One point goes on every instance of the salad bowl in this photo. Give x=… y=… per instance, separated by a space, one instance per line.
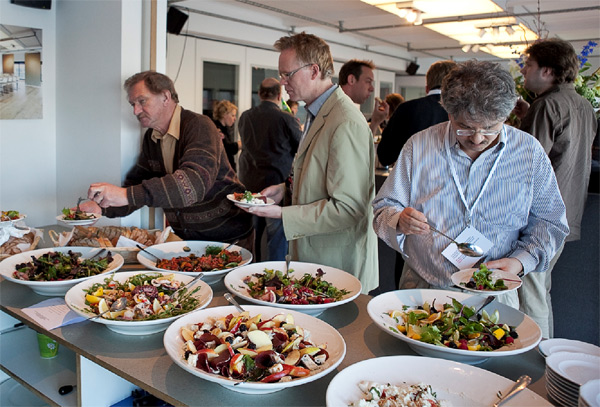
x=321 y=333
x=54 y=288
x=171 y=250
x=234 y=282
x=455 y=383
x=379 y=309
x=75 y=299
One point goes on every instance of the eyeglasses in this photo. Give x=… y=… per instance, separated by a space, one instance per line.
x=288 y=75
x=485 y=133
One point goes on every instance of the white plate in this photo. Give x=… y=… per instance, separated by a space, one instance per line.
x=75 y=299
x=463 y=276
x=234 y=281
x=175 y=249
x=5 y=223
x=54 y=288
x=590 y=393
x=321 y=333
x=81 y=222
x=247 y=204
x=380 y=306
x=578 y=368
x=457 y=383
x=550 y=346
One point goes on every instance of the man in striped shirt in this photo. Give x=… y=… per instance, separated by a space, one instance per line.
x=472 y=177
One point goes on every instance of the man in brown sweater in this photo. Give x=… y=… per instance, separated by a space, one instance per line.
x=182 y=168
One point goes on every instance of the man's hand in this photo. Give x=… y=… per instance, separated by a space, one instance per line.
x=508 y=264
x=412 y=222
x=267 y=211
x=107 y=195
x=521 y=108
x=90 y=207
x=275 y=192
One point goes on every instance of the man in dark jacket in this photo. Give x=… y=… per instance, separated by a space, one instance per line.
x=415 y=115
x=270 y=138
x=182 y=168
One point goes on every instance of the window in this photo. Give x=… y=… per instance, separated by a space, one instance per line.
x=220 y=82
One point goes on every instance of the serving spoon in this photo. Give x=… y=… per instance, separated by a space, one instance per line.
x=233 y=302
x=116 y=306
x=521 y=383
x=468 y=249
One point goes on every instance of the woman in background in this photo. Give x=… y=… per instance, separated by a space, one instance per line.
x=224 y=115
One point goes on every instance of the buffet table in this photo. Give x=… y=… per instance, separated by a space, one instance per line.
x=106 y=366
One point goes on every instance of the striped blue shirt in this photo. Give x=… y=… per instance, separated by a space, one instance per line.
x=520 y=211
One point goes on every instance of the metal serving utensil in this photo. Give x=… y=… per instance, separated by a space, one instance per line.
x=520 y=385
x=468 y=249
x=233 y=302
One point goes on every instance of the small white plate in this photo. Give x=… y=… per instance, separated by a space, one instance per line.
x=81 y=222
x=247 y=204
x=321 y=333
x=234 y=282
x=550 y=346
x=456 y=383
x=511 y=280
x=54 y=288
x=578 y=368
x=590 y=393
x=170 y=250
x=6 y=223
x=380 y=306
x=75 y=299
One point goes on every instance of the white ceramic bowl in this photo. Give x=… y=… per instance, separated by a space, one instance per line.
x=7 y=223
x=380 y=306
x=75 y=299
x=321 y=333
x=459 y=384
x=175 y=249
x=54 y=288
x=234 y=281
x=80 y=222
x=511 y=280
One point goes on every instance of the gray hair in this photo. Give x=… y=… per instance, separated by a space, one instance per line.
x=480 y=91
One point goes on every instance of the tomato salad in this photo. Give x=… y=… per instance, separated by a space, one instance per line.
x=214 y=259
x=252 y=349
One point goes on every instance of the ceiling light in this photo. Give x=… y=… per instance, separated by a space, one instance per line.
x=496 y=31
x=482 y=32
x=412 y=16
x=475 y=48
x=419 y=19
x=466 y=48
x=510 y=30
x=403 y=12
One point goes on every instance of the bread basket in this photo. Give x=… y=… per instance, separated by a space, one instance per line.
x=109 y=236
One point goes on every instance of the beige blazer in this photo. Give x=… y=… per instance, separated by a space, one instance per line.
x=330 y=218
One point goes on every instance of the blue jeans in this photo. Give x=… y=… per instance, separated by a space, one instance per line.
x=277 y=245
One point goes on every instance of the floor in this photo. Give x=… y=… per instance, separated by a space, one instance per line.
x=22 y=102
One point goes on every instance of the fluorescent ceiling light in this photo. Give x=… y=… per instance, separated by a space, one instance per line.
x=482 y=33
x=475 y=48
x=439 y=8
x=509 y=30
x=466 y=48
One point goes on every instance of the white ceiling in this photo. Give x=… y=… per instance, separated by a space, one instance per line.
x=364 y=26
x=18 y=39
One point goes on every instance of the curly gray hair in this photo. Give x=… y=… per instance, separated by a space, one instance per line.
x=479 y=91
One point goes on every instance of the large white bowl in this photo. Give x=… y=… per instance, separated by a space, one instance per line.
x=379 y=307
x=75 y=299
x=54 y=288
x=321 y=333
x=175 y=249
x=234 y=281
x=456 y=383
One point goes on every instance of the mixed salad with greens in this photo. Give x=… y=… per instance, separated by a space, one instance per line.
x=280 y=287
x=149 y=296
x=482 y=280
x=57 y=266
x=454 y=326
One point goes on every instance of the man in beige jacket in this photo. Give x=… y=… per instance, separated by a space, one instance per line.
x=326 y=212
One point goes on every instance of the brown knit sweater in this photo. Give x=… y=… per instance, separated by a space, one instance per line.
x=194 y=196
